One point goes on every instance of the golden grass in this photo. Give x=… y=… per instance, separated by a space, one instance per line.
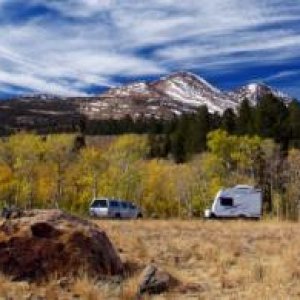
x=212 y=260
x=216 y=260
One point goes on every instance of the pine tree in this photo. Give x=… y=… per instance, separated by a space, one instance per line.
x=245 y=118
x=201 y=128
x=294 y=123
x=179 y=141
x=272 y=119
x=228 y=122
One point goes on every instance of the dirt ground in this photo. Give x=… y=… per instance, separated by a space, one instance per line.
x=211 y=259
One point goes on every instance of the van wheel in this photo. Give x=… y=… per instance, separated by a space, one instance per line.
x=118 y=216
x=139 y=216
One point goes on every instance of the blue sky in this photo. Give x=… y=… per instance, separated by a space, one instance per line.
x=79 y=47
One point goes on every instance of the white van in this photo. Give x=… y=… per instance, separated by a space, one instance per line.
x=241 y=201
x=113 y=208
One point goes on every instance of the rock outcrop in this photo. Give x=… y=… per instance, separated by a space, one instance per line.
x=41 y=243
x=155 y=281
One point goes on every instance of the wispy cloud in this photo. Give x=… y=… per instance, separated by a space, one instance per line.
x=282 y=74
x=66 y=46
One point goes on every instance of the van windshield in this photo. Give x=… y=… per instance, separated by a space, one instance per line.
x=99 y=203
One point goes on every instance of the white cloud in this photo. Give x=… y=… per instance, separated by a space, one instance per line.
x=282 y=75
x=77 y=8
x=37 y=84
x=90 y=42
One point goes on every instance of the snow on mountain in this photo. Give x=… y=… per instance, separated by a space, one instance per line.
x=193 y=91
x=181 y=92
x=139 y=88
x=173 y=95
x=255 y=91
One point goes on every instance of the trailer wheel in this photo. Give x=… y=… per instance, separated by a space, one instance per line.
x=212 y=216
x=243 y=217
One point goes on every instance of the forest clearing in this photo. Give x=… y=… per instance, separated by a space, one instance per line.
x=210 y=259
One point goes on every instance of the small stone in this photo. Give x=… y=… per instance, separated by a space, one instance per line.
x=63 y=282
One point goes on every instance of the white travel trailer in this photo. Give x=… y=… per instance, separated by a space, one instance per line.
x=241 y=201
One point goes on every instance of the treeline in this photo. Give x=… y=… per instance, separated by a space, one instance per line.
x=67 y=171
x=271 y=118
x=186 y=135
x=125 y=125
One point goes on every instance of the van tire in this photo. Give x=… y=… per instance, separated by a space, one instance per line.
x=139 y=216
x=118 y=216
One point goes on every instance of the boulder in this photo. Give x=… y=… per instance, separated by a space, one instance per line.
x=155 y=281
x=41 y=243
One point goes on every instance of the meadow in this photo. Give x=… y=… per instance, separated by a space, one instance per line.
x=211 y=260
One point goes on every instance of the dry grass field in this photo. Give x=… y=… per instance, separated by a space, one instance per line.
x=212 y=260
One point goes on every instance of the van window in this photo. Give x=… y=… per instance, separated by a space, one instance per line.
x=99 y=203
x=124 y=204
x=132 y=206
x=114 y=203
x=226 y=201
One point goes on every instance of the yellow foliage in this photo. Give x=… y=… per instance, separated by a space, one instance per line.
x=47 y=171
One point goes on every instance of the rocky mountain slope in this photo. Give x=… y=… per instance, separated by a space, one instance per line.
x=165 y=98
x=255 y=91
x=172 y=95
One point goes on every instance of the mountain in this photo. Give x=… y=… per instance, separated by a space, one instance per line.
x=193 y=91
x=179 y=93
x=176 y=94
x=256 y=91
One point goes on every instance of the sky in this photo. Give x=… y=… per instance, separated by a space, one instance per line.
x=82 y=47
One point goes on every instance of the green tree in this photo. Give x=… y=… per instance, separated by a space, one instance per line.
x=294 y=123
x=245 y=118
x=271 y=119
x=228 y=122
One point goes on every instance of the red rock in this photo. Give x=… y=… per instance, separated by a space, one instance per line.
x=45 y=242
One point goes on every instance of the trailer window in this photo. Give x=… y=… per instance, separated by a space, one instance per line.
x=226 y=201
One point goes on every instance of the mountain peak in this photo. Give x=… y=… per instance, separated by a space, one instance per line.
x=190 y=78
x=256 y=91
x=253 y=87
x=180 y=74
